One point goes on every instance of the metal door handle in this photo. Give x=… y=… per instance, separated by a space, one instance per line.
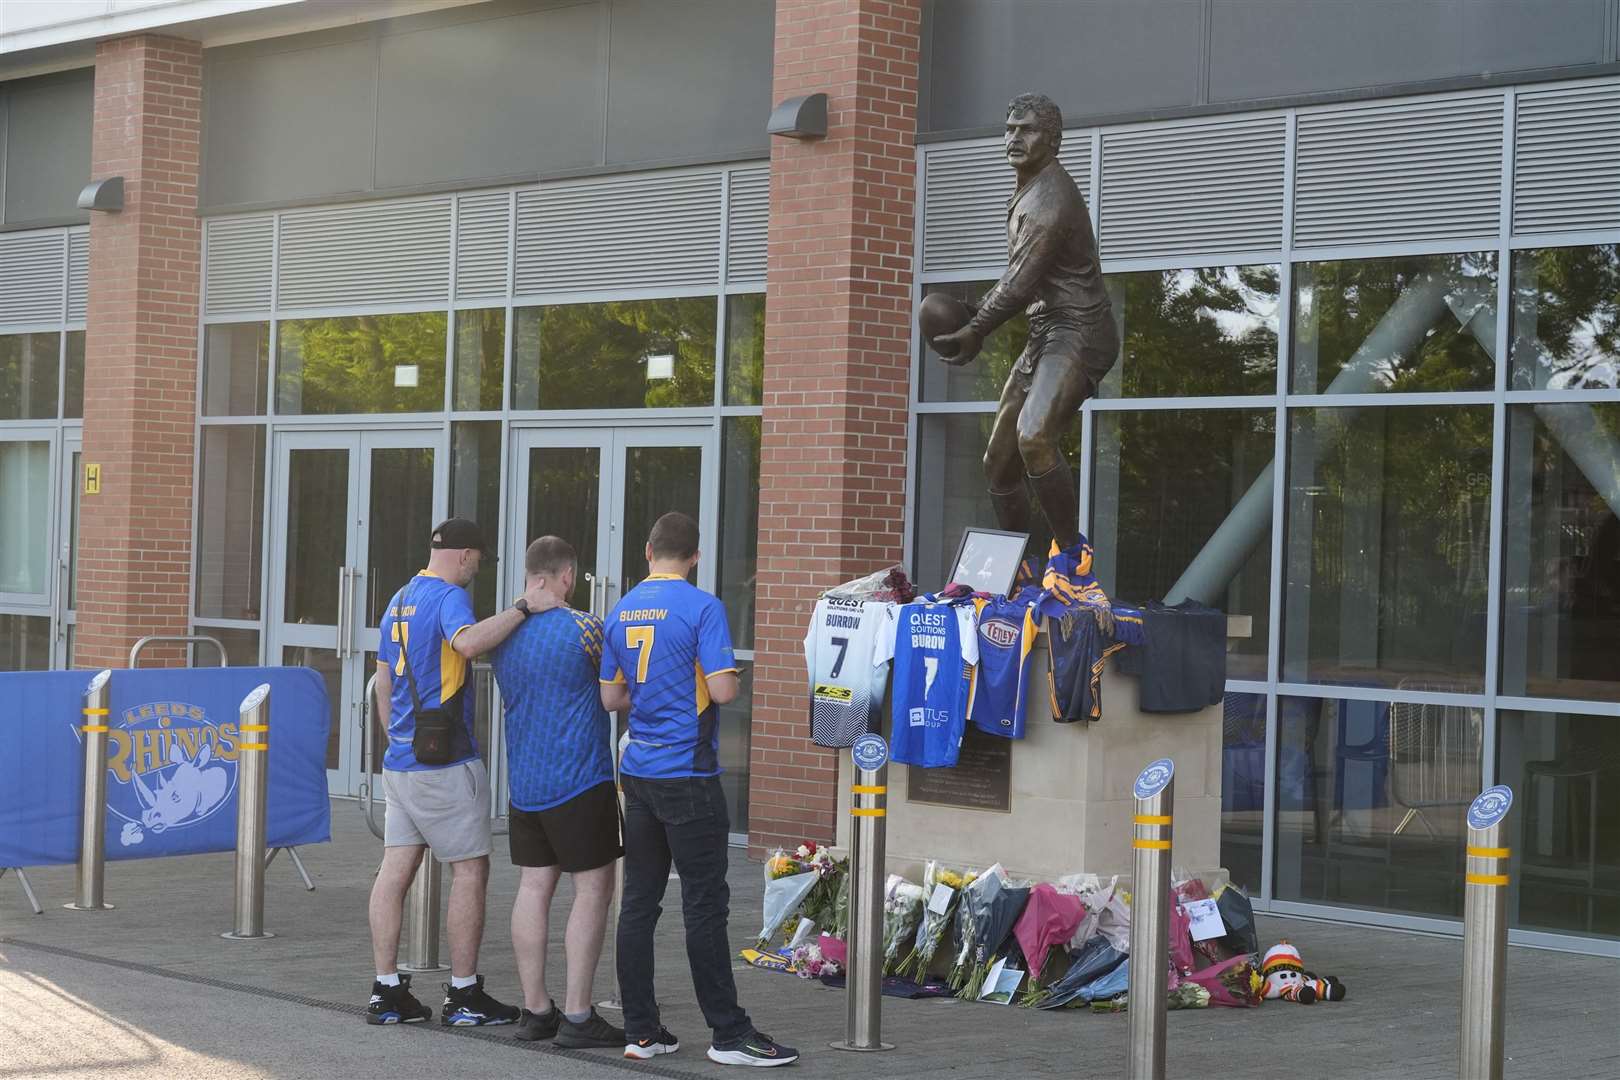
x=343 y=613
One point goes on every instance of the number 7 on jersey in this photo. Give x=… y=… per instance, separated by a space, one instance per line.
x=640 y=638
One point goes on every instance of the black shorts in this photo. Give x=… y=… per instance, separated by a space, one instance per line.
x=580 y=834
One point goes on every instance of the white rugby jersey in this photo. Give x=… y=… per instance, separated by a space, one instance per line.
x=847 y=677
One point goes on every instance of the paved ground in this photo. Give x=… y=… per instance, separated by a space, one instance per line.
x=150 y=990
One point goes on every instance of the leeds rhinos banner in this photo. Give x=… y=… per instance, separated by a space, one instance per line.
x=172 y=760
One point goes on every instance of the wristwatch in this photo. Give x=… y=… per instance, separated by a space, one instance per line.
x=521 y=605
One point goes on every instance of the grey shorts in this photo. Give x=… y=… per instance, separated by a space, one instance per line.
x=446 y=809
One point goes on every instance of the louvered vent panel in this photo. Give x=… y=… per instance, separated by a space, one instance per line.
x=483 y=228
x=239 y=256
x=748 y=209
x=965 y=193
x=390 y=253
x=31 y=268
x=1193 y=189
x=1420 y=171
x=78 y=275
x=637 y=232
x=1566 y=160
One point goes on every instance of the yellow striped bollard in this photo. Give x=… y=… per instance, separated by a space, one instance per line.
x=93 y=817
x=868 y=808
x=252 y=780
x=1155 y=791
x=1484 y=935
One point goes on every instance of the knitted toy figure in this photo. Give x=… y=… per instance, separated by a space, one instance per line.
x=1285 y=975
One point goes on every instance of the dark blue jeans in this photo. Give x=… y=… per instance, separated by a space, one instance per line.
x=684 y=821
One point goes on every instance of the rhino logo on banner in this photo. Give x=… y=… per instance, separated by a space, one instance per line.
x=170 y=767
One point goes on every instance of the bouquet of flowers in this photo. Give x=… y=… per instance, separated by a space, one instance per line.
x=902 y=912
x=832 y=877
x=810 y=963
x=1049 y=920
x=942 y=887
x=787 y=882
x=985 y=916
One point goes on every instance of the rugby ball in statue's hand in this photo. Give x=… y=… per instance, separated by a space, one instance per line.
x=940 y=313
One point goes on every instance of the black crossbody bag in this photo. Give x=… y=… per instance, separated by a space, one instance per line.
x=432 y=741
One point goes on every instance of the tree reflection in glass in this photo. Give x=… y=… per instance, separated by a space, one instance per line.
x=625 y=354
x=361 y=364
x=1566 y=318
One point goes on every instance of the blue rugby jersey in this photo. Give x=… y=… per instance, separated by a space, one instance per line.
x=664 y=638
x=422 y=620
x=557 y=732
x=1007 y=630
x=936 y=655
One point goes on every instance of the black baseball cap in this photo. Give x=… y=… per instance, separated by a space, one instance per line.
x=457 y=533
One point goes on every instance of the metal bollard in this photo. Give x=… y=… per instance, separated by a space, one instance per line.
x=612 y=1001
x=1484 y=936
x=93 y=817
x=252 y=781
x=1155 y=792
x=423 y=916
x=868 y=807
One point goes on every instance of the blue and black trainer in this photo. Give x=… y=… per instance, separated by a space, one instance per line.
x=755 y=1048
x=396 y=1004
x=471 y=1007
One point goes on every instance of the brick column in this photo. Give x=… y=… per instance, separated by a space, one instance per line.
x=837 y=345
x=140 y=385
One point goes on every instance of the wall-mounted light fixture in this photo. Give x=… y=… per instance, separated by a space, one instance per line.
x=800 y=117
x=106 y=195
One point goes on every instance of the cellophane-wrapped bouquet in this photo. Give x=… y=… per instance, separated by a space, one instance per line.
x=937 y=915
x=787 y=882
x=821 y=904
x=902 y=912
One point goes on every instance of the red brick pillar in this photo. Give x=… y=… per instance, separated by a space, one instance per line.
x=837 y=349
x=140 y=384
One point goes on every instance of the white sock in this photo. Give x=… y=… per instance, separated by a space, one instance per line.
x=462 y=984
x=390 y=979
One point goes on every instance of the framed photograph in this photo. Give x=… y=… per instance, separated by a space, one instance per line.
x=987 y=560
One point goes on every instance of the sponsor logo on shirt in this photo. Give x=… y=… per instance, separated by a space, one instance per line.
x=834 y=693
x=999 y=632
x=919 y=717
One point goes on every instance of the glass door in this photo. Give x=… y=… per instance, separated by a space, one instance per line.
x=67 y=547
x=358 y=508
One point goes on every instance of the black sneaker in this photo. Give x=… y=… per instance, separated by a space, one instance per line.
x=756 y=1048
x=594 y=1032
x=471 y=1007
x=532 y=1027
x=642 y=1049
x=396 y=1004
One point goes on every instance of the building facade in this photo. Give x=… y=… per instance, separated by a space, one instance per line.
x=539 y=264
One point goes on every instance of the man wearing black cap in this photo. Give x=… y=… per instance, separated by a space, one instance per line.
x=434 y=780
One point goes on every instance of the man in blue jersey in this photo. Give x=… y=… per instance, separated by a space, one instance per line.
x=565 y=812
x=667 y=659
x=428 y=638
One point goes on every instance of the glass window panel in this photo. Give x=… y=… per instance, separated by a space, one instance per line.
x=25 y=643
x=1566 y=318
x=25 y=517
x=475 y=492
x=626 y=354
x=951 y=490
x=1404 y=324
x=657 y=480
x=1188 y=333
x=399 y=522
x=738 y=547
x=983 y=378
x=1564 y=770
x=29 y=365
x=361 y=364
x=745 y=348
x=1371 y=802
x=236 y=368
x=736 y=720
x=241 y=647
x=565 y=499
x=1561 y=564
x=1166 y=481
x=230 y=522
x=317 y=534
x=480 y=359
x=73 y=383
x=1243 y=787
x=1388 y=544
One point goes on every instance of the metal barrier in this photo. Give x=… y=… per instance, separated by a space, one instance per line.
x=1484 y=936
x=868 y=807
x=93 y=817
x=136 y=649
x=422 y=915
x=252 y=783
x=367 y=798
x=1155 y=791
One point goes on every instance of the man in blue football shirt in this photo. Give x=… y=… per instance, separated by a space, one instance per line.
x=565 y=812
x=667 y=659
x=428 y=638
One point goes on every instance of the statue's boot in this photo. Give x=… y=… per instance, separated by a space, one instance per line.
x=1059 y=500
x=1011 y=508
